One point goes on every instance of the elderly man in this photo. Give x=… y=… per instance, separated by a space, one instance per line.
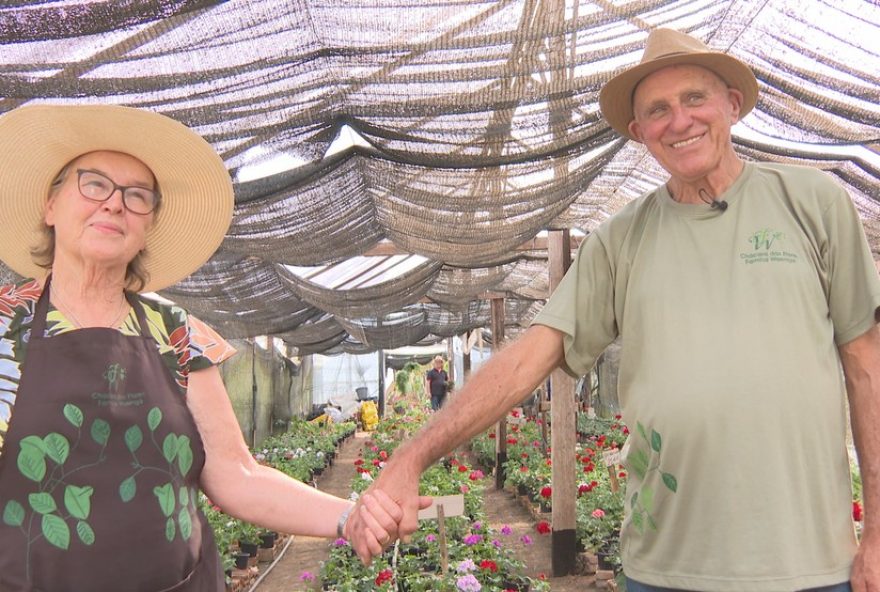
x=739 y=290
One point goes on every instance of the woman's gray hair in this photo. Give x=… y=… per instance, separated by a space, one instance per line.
x=43 y=253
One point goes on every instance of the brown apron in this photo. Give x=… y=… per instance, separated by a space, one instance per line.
x=99 y=475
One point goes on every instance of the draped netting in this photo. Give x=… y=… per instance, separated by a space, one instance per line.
x=390 y=159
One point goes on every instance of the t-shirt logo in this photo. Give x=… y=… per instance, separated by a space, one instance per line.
x=764 y=239
x=768 y=246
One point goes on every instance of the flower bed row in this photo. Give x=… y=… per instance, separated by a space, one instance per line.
x=479 y=558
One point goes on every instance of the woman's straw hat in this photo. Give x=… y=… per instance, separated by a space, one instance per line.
x=667 y=47
x=197 y=198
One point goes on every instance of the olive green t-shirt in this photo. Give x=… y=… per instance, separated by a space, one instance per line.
x=729 y=380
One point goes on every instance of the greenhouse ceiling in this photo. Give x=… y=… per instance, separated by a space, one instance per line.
x=393 y=159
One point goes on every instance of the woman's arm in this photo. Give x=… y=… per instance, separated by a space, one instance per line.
x=243 y=488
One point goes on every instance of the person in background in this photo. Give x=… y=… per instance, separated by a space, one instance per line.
x=113 y=414
x=746 y=297
x=436 y=379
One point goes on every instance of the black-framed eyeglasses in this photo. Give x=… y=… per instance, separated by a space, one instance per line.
x=97 y=187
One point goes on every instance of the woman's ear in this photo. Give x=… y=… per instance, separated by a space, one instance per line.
x=49 y=211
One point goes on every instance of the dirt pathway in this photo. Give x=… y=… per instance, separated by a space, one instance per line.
x=305 y=554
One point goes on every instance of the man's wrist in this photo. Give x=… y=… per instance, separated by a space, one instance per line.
x=343 y=519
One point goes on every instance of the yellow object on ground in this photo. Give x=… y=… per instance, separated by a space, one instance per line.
x=369 y=415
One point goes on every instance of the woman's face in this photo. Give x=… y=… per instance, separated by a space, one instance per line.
x=104 y=234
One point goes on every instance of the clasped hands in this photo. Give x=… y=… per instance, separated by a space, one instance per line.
x=387 y=511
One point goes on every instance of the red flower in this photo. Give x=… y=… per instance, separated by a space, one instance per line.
x=511 y=440
x=546 y=492
x=358 y=462
x=383 y=455
x=384 y=576
x=857 y=511
x=376 y=462
x=543 y=527
x=492 y=435
x=625 y=430
x=584 y=488
x=490 y=565
x=462 y=469
x=622 y=474
x=514 y=413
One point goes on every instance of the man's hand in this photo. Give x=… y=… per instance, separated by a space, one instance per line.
x=866 y=567
x=396 y=486
x=372 y=524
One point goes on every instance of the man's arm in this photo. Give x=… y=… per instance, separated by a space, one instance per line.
x=861 y=366
x=502 y=382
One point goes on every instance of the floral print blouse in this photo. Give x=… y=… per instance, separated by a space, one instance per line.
x=184 y=343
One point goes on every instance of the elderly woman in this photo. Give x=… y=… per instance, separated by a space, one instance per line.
x=112 y=411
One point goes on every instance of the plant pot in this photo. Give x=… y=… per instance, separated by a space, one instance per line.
x=249 y=548
x=545 y=507
x=267 y=540
x=605 y=562
x=522 y=489
x=518 y=585
x=241 y=560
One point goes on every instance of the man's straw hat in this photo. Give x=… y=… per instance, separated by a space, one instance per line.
x=666 y=47
x=197 y=198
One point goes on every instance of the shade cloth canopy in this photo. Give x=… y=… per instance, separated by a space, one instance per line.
x=471 y=127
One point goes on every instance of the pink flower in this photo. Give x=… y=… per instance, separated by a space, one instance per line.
x=307 y=576
x=506 y=530
x=526 y=539
x=598 y=513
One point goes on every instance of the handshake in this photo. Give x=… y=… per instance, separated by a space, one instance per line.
x=385 y=512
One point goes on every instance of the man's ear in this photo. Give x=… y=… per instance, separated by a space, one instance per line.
x=635 y=131
x=736 y=102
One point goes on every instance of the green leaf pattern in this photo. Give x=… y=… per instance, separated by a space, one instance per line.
x=37 y=456
x=643 y=460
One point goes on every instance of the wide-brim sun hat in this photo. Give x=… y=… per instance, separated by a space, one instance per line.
x=36 y=141
x=668 y=47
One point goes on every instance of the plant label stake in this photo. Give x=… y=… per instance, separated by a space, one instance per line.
x=444 y=551
x=612 y=459
x=442 y=506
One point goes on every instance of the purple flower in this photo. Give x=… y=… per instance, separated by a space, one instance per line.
x=307 y=576
x=466 y=566
x=340 y=542
x=497 y=543
x=477 y=526
x=472 y=539
x=506 y=530
x=468 y=583
x=430 y=538
x=526 y=539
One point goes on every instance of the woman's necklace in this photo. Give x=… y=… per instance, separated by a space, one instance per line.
x=59 y=299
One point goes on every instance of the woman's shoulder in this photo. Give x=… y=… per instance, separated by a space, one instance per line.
x=173 y=327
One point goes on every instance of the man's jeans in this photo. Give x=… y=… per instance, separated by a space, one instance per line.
x=634 y=586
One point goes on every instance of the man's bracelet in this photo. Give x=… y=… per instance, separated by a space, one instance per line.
x=343 y=518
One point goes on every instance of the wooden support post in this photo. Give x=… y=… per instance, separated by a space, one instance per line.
x=381 y=382
x=467 y=344
x=450 y=355
x=563 y=413
x=501 y=426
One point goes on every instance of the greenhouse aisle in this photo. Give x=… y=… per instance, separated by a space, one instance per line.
x=303 y=557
